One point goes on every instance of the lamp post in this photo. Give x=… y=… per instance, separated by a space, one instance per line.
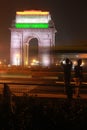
x=17 y=59
x=21 y=47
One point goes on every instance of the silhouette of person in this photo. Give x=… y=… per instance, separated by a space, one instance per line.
x=78 y=70
x=6 y=95
x=7 y=107
x=67 y=67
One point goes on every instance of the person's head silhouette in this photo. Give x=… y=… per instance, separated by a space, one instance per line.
x=79 y=61
x=67 y=60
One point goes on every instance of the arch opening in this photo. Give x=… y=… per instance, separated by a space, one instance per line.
x=33 y=51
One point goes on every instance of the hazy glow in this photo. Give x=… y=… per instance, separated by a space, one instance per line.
x=74 y=63
x=35 y=62
x=82 y=55
x=32 y=12
x=46 y=60
x=83 y=63
x=16 y=59
x=32 y=25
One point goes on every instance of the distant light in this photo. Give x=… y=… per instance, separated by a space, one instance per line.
x=9 y=65
x=83 y=63
x=35 y=62
x=74 y=63
x=26 y=62
x=64 y=62
x=16 y=59
x=46 y=60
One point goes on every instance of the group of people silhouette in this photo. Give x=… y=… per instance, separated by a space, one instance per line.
x=78 y=77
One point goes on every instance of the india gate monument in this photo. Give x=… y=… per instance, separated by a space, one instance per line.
x=32 y=38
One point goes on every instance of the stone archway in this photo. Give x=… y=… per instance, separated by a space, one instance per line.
x=23 y=33
x=31 y=53
x=33 y=49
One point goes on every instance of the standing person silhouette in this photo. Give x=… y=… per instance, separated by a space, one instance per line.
x=7 y=108
x=67 y=67
x=78 y=70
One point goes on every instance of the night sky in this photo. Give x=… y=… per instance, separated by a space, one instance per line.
x=69 y=16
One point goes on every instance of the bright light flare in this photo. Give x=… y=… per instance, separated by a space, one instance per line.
x=46 y=60
x=16 y=59
x=34 y=62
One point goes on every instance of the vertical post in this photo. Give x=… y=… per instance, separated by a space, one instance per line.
x=27 y=53
x=24 y=54
x=22 y=46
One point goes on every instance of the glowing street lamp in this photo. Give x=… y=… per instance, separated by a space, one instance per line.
x=0 y=62
x=17 y=59
x=34 y=62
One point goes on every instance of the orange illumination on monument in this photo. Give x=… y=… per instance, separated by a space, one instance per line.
x=32 y=12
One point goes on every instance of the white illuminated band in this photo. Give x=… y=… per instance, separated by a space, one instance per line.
x=32 y=19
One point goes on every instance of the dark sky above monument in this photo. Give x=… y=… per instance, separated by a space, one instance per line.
x=69 y=16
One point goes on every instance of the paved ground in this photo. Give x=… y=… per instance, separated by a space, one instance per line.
x=55 y=92
x=41 y=89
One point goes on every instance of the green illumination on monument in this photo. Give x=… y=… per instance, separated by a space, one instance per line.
x=31 y=25
x=32 y=38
